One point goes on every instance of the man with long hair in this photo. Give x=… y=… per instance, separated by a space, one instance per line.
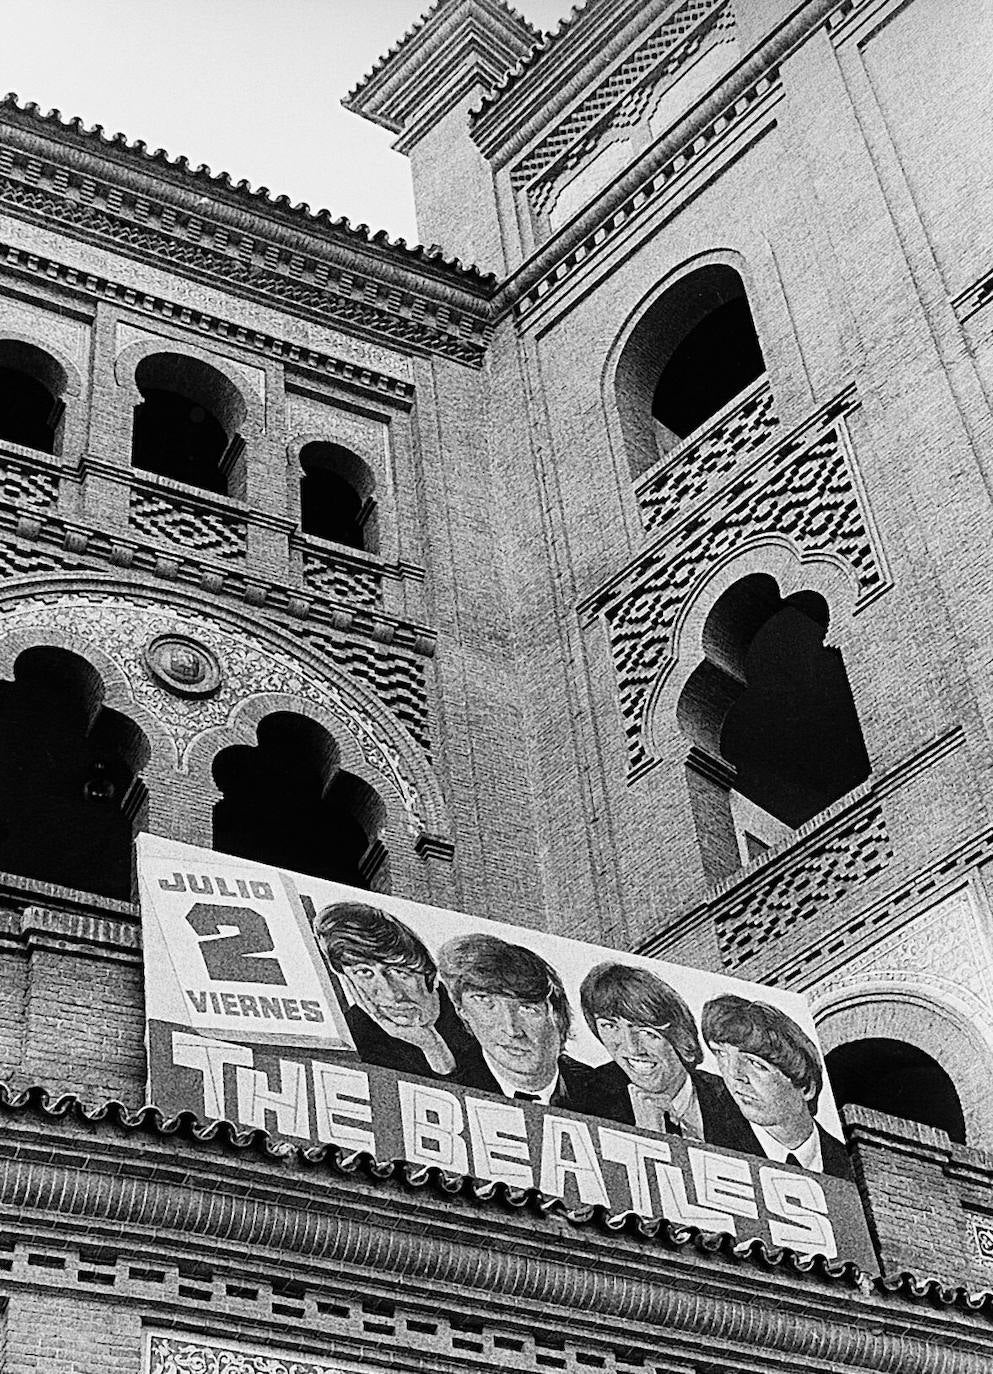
x=514 y=1005
x=654 y=1079
x=398 y=1014
x=773 y=1071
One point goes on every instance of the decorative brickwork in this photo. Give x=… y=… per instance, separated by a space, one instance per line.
x=48 y=194
x=803 y=493
x=696 y=468
x=25 y=485
x=801 y=889
x=21 y=560
x=249 y=665
x=397 y=677
x=621 y=101
x=341 y=580
x=187 y=526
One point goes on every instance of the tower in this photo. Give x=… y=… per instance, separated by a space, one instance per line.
x=629 y=584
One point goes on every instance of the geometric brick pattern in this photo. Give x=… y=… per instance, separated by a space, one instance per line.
x=25 y=486
x=188 y=527
x=401 y=1330
x=805 y=495
x=19 y=560
x=805 y=888
x=188 y=242
x=702 y=465
x=396 y=676
x=621 y=99
x=341 y=581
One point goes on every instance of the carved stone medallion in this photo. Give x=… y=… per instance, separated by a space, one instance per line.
x=183 y=665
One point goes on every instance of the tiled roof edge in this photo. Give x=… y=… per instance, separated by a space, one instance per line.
x=407 y=37
x=545 y=44
x=187 y=1126
x=137 y=151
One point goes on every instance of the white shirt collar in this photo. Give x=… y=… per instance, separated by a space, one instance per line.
x=509 y=1089
x=807 y=1154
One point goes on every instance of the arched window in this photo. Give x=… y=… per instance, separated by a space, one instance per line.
x=775 y=732
x=32 y=385
x=71 y=799
x=336 y=497
x=287 y=802
x=690 y=355
x=187 y=425
x=899 y=1079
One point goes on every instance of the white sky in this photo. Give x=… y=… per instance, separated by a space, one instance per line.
x=249 y=87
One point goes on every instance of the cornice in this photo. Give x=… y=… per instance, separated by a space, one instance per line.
x=544 y=87
x=282 y=266
x=117 y=157
x=659 y=174
x=381 y=93
x=457 y=46
x=351 y=373
x=557 y=46
x=107 y=1172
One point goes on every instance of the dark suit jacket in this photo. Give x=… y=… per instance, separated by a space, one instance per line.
x=834 y=1155
x=723 y=1123
x=570 y=1090
x=377 y=1046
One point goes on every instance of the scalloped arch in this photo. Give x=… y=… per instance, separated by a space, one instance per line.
x=256 y=661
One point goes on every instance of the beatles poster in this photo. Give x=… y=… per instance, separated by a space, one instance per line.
x=322 y=1013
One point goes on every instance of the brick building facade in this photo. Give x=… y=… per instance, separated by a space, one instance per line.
x=542 y=668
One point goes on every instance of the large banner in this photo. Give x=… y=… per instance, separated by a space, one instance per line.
x=324 y=1013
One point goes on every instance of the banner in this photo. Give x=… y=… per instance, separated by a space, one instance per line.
x=323 y=1013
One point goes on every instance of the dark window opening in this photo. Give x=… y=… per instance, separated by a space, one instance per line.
x=71 y=799
x=336 y=497
x=793 y=735
x=186 y=427
x=771 y=717
x=287 y=802
x=899 y=1079
x=718 y=358
x=692 y=352
x=32 y=384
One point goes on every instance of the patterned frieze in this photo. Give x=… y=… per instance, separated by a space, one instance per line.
x=119 y=629
x=804 y=493
x=695 y=468
x=622 y=99
x=48 y=193
x=328 y=574
x=371 y=1241
x=355 y=364
x=187 y=526
x=28 y=483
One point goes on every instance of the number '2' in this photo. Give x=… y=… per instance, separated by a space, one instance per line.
x=234 y=958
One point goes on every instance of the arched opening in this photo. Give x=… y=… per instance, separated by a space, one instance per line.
x=287 y=802
x=32 y=387
x=71 y=799
x=776 y=736
x=337 y=497
x=899 y=1079
x=690 y=355
x=188 y=424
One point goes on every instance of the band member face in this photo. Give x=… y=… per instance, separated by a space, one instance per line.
x=644 y=1053
x=395 y=993
x=763 y=1092
x=522 y=1038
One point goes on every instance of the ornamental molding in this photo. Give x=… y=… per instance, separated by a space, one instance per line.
x=622 y=98
x=364 y=371
x=338 y=1224
x=112 y=629
x=655 y=184
x=802 y=495
x=299 y=279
